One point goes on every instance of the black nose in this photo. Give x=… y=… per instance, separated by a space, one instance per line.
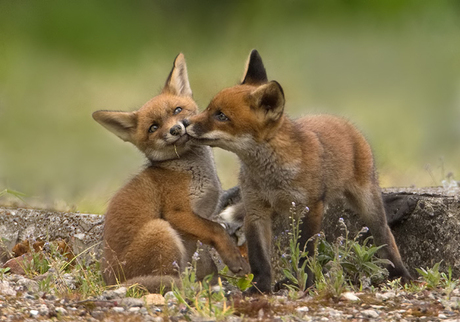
x=186 y=122
x=175 y=130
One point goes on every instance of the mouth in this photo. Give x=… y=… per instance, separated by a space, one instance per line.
x=203 y=141
x=181 y=140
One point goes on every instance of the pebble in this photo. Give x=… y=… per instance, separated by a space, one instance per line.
x=61 y=310
x=302 y=309
x=154 y=299
x=349 y=296
x=43 y=310
x=370 y=314
x=385 y=296
x=132 y=302
x=120 y=292
x=6 y=289
x=118 y=309
x=134 y=309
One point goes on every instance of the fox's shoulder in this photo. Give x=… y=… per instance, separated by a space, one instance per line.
x=326 y=123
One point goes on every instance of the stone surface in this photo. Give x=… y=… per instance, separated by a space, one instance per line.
x=425 y=223
x=81 y=231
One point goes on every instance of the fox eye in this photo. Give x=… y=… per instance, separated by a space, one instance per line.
x=222 y=117
x=153 y=128
x=177 y=110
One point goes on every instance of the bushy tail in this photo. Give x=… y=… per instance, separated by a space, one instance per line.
x=155 y=283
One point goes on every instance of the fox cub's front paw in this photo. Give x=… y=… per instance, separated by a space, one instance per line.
x=239 y=266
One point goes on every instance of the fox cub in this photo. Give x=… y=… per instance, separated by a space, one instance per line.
x=309 y=161
x=153 y=223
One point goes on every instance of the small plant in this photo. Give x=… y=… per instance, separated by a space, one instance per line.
x=431 y=276
x=448 y=283
x=336 y=266
x=3 y=271
x=243 y=283
x=14 y=193
x=200 y=297
x=60 y=275
x=358 y=260
x=296 y=260
x=136 y=291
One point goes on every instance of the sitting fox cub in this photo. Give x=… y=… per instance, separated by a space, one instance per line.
x=309 y=161
x=153 y=223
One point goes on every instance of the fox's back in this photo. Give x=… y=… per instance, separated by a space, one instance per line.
x=340 y=153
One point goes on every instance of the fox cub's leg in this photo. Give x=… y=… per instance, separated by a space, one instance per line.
x=258 y=230
x=211 y=233
x=153 y=258
x=204 y=263
x=369 y=205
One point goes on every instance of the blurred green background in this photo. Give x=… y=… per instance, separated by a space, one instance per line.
x=392 y=67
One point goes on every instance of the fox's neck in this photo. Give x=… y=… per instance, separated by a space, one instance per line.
x=272 y=154
x=195 y=156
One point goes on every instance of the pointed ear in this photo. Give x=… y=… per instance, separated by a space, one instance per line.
x=255 y=73
x=270 y=98
x=122 y=124
x=177 y=82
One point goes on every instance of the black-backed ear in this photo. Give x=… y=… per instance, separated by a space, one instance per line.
x=177 y=82
x=270 y=98
x=255 y=73
x=122 y=124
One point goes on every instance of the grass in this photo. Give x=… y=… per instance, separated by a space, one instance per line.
x=14 y=193
x=347 y=264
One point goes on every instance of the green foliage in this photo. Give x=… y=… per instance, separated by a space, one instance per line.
x=13 y=193
x=358 y=260
x=346 y=262
x=3 y=271
x=243 y=283
x=54 y=272
x=434 y=278
x=295 y=261
x=200 y=297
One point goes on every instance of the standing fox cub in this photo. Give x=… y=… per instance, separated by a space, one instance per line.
x=309 y=161
x=153 y=223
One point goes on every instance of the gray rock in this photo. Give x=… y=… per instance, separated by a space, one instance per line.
x=372 y=314
x=43 y=310
x=28 y=284
x=61 y=310
x=385 y=296
x=118 y=309
x=425 y=223
x=120 y=292
x=132 y=302
x=6 y=289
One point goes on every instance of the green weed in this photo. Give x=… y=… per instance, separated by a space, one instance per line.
x=346 y=263
x=13 y=193
x=200 y=297
x=243 y=283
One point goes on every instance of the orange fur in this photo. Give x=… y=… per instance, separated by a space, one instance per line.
x=153 y=223
x=309 y=161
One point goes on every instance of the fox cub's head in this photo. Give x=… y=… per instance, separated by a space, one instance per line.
x=157 y=128
x=248 y=112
